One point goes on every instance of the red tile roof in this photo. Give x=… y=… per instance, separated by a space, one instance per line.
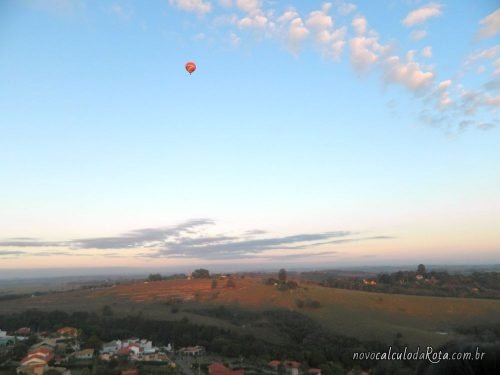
x=274 y=363
x=217 y=368
x=291 y=364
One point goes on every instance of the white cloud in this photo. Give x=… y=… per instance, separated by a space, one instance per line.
x=297 y=32
x=427 y=52
x=121 y=12
x=409 y=73
x=496 y=64
x=490 y=25
x=234 y=39
x=365 y=52
x=287 y=16
x=487 y=53
x=330 y=41
x=319 y=20
x=422 y=14
x=249 y=6
x=418 y=34
x=346 y=8
x=60 y=7
x=443 y=95
x=196 y=6
x=360 y=24
x=226 y=3
x=257 y=21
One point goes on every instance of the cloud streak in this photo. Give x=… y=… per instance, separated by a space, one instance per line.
x=190 y=239
x=422 y=14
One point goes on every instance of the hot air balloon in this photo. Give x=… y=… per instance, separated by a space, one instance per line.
x=190 y=67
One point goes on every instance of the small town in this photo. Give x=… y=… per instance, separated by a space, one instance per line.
x=62 y=352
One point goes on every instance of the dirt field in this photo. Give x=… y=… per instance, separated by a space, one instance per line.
x=421 y=320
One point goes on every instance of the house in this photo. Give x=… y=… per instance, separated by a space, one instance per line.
x=43 y=352
x=130 y=371
x=106 y=356
x=369 y=282
x=111 y=347
x=33 y=366
x=124 y=352
x=357 y=372
x=36 y=361
x=155 y=357
x=274 y=364
x=6 y=340
x=217 y=368
x=23 y=331
x=84 y=354
x=419 y=277
x=292 y=367
x=68 y=332
x=192 y=350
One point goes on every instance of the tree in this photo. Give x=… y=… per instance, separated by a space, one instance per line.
x=421 y=269
x=107 y=311
x=214 y=283
x=19 y=350
x=94 y=342
x=200 y=273
x=282 y=275
x=154 y=277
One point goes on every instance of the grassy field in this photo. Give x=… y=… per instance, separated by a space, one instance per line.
x=367 y=316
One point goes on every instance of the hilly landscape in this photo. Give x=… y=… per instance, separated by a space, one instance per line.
x=420 y=320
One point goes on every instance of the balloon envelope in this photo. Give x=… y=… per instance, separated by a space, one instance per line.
x=190 y=67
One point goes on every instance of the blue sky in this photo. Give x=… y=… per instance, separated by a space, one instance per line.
x=314 y=132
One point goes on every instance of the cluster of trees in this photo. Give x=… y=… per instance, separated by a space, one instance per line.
x=282 y=282
x=307 y=303
x=303 y=339
x=200 y=273
x=422 y=282
x=159 y=277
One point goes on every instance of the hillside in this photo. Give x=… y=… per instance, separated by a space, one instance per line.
x=364 y=315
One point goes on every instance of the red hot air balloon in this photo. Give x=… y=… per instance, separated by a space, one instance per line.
x=190 y=67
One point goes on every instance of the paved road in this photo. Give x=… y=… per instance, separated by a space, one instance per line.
x=184 y=366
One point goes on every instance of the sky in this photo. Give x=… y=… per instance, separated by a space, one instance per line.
x=315 y=133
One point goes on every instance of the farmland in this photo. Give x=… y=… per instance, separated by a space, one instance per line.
x=363 y=315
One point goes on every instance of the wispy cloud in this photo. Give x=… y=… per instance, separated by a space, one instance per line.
x=197 y=6
x=422 y=14
x=190 y=239
x=489 y=25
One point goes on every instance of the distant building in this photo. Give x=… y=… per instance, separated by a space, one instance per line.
x=84 y=354
x=274 y=364
x=36 y=361
x=68 y=332
x=23 y=331
x=192 y=350
x=292 y=367
x=217 y=368
x=111 y=347
x=155 y=357
x=130 y=371
x=6 y=340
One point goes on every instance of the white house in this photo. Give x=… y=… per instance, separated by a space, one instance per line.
x=85 y=354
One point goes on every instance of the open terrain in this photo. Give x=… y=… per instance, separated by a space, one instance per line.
x=363 y=315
